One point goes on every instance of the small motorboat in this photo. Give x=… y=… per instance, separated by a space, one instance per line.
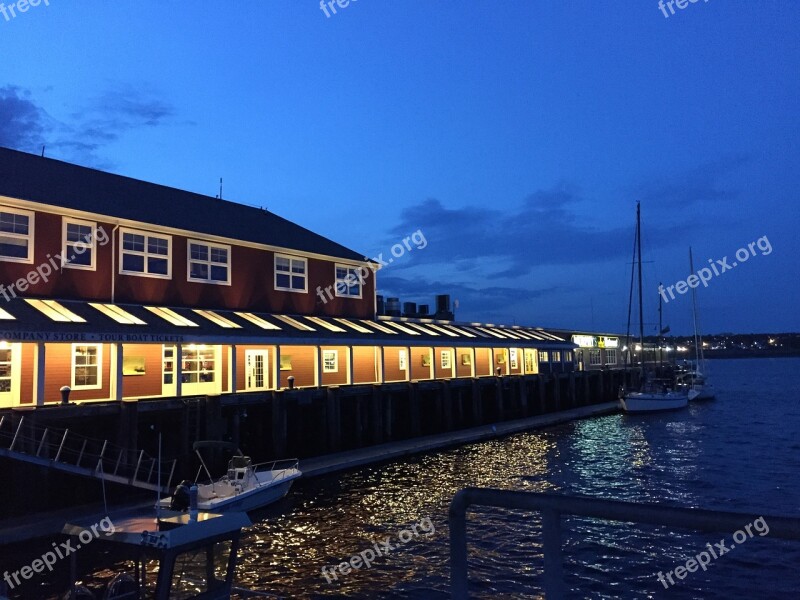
x=245 y=487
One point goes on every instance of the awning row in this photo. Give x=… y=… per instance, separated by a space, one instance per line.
x=44 y=314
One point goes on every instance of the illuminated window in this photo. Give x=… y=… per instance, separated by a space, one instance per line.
x=330 y=361
x=121 y=316
x=424 y=330
x=209 y=263
x=145 y=254
x=199 y=364
x=402 y=360
x=168 y=364
x=594 y=357
x=354 y=326
x=326 y=325
x=170 y=316
x=544 y=356
x=80 y=244
x=87 y=360
x=530 y=361
x=56 y=312
x=442 y=330
x=380 y=327
x=447 y=359
x=217 y=319
x=348 y=281
x=290 y=273
x=401 y=328
x=611 y=357
x=556 y=357
x=294 y=323
x=256 y=320
x=5 y=368
x=513 y=361
x=16 y=235
x=6 y=316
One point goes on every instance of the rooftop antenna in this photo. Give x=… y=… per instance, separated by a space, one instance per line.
x=43 y=147
x=220 y=188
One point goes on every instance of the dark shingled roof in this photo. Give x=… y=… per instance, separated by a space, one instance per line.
x=30 y=177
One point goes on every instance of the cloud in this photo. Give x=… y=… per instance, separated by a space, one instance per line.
x=23 y=124
x=101 y=121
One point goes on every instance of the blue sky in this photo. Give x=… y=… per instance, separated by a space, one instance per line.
x=517 y=136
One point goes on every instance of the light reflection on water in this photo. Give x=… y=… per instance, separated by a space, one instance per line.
x=738 y=453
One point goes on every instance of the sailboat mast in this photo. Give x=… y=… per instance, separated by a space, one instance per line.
x=698 y=341
x=660 y=332
x=639 y=258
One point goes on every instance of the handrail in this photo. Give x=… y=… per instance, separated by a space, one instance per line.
x=553 y=506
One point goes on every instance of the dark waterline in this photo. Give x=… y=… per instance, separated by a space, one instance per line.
x=738 y=453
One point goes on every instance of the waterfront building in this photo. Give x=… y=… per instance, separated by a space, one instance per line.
x=118 y=288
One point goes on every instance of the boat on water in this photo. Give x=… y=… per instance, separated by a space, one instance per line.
x=245 y=486
x=696 y=384
x=654 y=394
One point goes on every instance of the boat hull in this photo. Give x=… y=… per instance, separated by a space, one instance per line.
x=639 y=402
x=250 y=500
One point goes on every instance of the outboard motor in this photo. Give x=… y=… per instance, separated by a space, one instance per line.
x=180 y=498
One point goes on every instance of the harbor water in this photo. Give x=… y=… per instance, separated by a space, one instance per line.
x=740 y=452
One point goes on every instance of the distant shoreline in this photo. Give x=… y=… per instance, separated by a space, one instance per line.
x=749 y=354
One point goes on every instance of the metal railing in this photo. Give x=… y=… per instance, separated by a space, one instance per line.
x=553 y=506
x=68 y=451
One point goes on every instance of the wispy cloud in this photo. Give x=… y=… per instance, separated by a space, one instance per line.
x=101 y=121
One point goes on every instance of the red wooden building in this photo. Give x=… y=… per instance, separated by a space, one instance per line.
x=120 y=288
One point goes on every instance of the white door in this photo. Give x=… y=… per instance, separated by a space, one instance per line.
x=255 y=370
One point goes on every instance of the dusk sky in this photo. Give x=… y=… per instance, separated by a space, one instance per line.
x=517 y=136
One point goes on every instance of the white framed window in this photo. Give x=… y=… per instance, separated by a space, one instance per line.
x=291 y=273
x=16 y=235
x=6 y=363
x=447 y=359
x=556 y=356
x=330 y=361
x=209 y=263
x=513 y=360
x=145 y=254
x=79 y=248
x=402 y=360
x=594 y=357
x=168 y=364
x=87 y=363
x=611 y=357
x=199 y=364
x=348 y=281
x=544 y=356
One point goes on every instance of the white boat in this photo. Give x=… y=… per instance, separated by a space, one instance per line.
x=697 y=384
x=654 y=394
x=654 y=397
x=245 y=487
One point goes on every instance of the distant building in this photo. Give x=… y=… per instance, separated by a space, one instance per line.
x=120 y=288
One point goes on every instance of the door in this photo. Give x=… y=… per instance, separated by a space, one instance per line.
x=256 y=362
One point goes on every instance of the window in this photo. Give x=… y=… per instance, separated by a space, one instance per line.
x=611 y=357
x=5 y=370
x=447 y=360
x=86 y=362
x=145 y=254
x=330 y=361
x=209 y=263
x=198 y=364
x=16 y=235
x=402 y=360
x=530 y=363
x=557 y=357
x=594 y=357
x=512 y=358
x=169 y=365
x=543 y=356
x=290 y=273
x=80 y=245
x=568 y=356
x=348 y=281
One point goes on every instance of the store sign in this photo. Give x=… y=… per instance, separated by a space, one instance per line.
x=585 y=341
x=60 y=336
x=609 y=342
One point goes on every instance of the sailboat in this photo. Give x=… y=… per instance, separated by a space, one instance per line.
x=654 y=394
x=695 y=380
